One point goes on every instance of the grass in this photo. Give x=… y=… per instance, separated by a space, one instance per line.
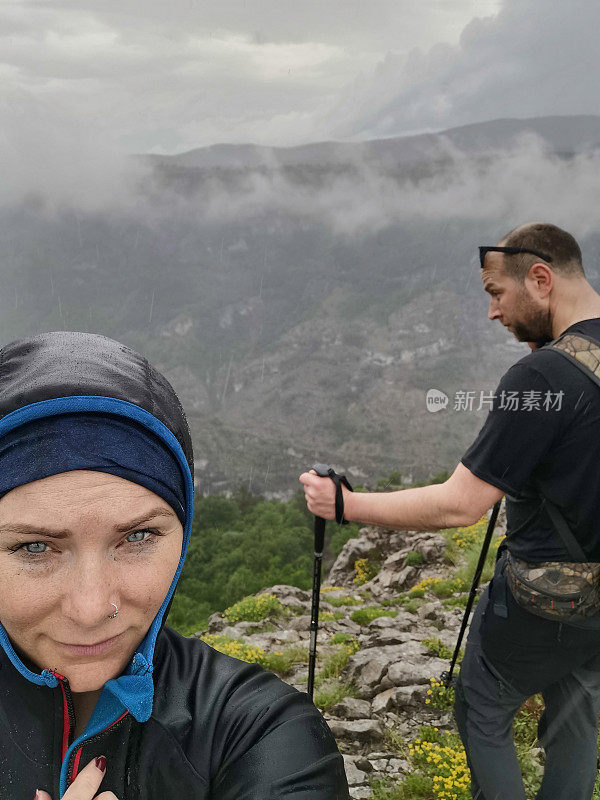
x=414 y=559
x=437 y=648
x=459 y=602
x=332 y=692
x=280 y=661
x=335 y=662
x=412 y=606
x=395 y=742
x=328 y=616
x=414 y=786
x=344 y=600
x=362 y=616
x=341 y=638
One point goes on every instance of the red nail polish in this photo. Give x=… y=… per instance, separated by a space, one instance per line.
x=101 y=763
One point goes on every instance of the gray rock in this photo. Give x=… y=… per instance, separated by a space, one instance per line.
x=382 y=701
x=289 y=595
x=383 y=622
x=362 y=730
x=354 y=775
x=414 y=670
x=352 y=708
x=360 y=793
x=430 y=611
x=301 y=623
x=216 y=622
x=409 y=697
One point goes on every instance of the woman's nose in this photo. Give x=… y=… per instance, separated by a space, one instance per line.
x=90 y=593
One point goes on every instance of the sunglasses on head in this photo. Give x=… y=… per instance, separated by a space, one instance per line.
x=511 y=251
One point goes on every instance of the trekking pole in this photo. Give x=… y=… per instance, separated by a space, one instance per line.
x=446 y=676
x=323 y=471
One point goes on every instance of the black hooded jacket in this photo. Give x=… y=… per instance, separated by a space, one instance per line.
x=182 y=720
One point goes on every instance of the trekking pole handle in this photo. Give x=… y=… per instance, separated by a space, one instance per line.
x=325 y=471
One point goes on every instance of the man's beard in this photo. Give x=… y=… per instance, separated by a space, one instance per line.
x=538 y=325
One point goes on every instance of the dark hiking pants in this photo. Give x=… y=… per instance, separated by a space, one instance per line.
x=510 y=655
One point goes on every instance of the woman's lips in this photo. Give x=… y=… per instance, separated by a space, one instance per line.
x=90 y=650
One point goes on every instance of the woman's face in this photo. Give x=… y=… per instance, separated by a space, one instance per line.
x=72 y=544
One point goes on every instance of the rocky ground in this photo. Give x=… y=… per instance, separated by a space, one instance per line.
x=386 y=680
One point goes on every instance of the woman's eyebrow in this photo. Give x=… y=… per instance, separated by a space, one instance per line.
x=23 y=529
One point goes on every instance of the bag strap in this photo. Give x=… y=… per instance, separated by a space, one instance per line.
x=587 y=360
x=570 y=542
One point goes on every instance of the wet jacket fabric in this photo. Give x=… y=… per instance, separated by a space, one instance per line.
x=181 y=721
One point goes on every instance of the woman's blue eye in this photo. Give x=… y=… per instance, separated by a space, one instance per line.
x=23 y=546
x=145 y=530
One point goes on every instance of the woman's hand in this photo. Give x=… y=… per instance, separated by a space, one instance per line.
x=85 y=785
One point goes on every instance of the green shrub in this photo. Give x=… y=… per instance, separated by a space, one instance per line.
x=414 y=559
x=235 y=648
x=439 y=696
x=254 y=608
x=362 y=616
x=365 y=569
x=344 y=600
x=341 y=638
x=448 y=586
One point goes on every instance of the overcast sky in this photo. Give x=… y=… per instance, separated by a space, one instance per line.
x=155 y=76
x=85 y=82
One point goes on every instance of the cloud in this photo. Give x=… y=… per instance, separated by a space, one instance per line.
x=498 y=189
x=530 y=59
x=167 y=77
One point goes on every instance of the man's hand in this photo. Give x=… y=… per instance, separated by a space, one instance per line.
x=84 y=787
x=320 y=494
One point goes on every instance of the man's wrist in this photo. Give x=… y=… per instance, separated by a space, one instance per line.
x=350 y=510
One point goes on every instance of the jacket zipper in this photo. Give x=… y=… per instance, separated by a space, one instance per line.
x=74 y=763
x=68 y=712
x=69 y=727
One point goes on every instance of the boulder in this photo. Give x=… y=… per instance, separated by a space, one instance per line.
x=352 y=708
x=362 y=730
x=415 y=670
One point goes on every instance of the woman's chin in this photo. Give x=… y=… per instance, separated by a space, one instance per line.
x=86 y=678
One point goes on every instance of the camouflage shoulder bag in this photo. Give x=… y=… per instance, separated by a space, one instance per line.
x=561 y=591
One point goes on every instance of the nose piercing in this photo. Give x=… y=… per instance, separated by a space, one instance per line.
x=112 y=616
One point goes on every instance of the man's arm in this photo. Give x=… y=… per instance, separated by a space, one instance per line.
x=460 y=501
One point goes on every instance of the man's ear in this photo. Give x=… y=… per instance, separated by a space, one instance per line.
x=541 y=279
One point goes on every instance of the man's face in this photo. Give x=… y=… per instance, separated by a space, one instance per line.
x=118 y=543
x=512 y=303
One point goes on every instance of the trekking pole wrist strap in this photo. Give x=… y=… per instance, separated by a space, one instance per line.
x=339 y=495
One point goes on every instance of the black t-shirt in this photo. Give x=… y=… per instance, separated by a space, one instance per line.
x=548 y=437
